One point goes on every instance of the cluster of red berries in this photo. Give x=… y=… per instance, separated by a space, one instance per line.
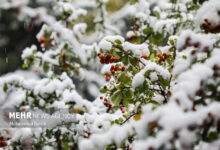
x=45 y=43
x=106 y=102
x=121 y=108
x=196 y=44
x=163 y=57
x=113 y=69
x=107 y=59
x=209 y=28
x=3 y=142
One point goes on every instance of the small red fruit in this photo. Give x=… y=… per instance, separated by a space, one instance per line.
x=101 y=97
x=105 y=87
x=144 y=56
x=40 y=40
x=105 y=99
x=123 y=68
x=35 y=70
x=159 y=55
x=168 y=55
x=112 y=71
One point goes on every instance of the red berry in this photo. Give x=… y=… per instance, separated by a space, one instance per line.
x=105 y=87
x=133 y=38
x=101 y=97
x=35 y=70
x=105 y=99
x=40 y=40
x=123 y=68
x=112 y=71
x=168 y=55
x=100 y=56
x=144 y=56
x=159 y=55
x=117 y=68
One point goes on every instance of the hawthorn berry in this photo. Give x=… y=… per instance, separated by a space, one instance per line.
x=35 y=70
x=101 y=97
x=40 y=40
x=159 y=55
x=144 y=56
x=167 y=55
x=107 y=76
x=3 y=144
x=123 y=68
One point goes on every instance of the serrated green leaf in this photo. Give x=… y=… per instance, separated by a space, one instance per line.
x=124 y=80
x=103 y=90
x=116 y=98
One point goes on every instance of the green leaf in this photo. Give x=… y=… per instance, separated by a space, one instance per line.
x=116 y=98
x=24 y=66
x=153 y=102
x=124 y=80
x=148 y=30
x=126 y=101
x=133 y=61
x=46 y=67
x=184 y=57
x=165 y=83
x=212 y=136
x=128 y=93
x=156 y=13
x=5 y=88
x=124 y=59
x=132 y=2
x=152 y=57
x=66 y=146
x=103 y=90
x=118 y=41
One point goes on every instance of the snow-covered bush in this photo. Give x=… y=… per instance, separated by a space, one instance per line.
x=160 y=81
